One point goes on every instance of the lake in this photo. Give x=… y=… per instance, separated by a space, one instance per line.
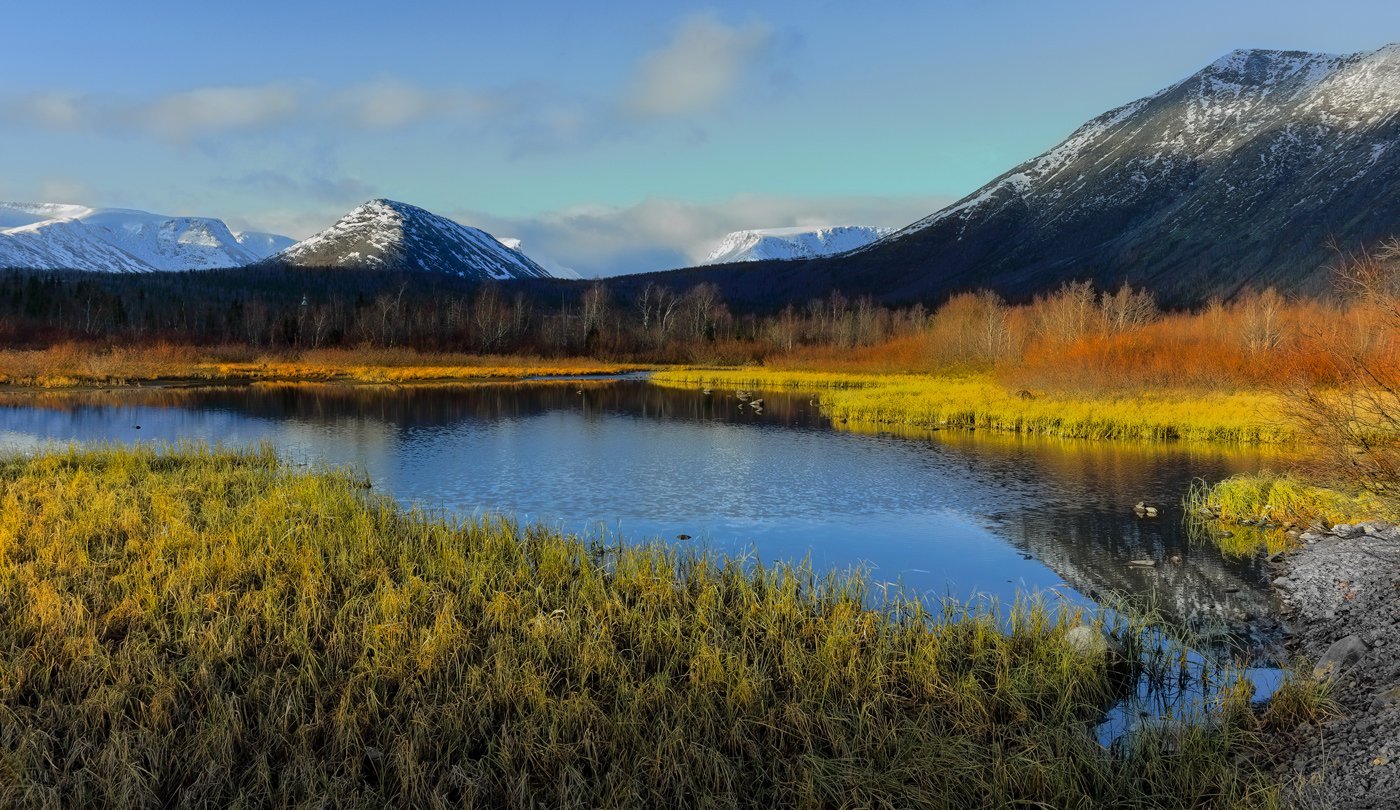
x=958 y=514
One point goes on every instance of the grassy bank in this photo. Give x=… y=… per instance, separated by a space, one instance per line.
x=1246 y=513
x=979 y=401
x=73 y=366
x=214 y=627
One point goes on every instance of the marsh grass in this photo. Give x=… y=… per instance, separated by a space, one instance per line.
x=1246 y=513
x=978 y=401
x=78 y=366
x=185 y=626
x=1300 y=698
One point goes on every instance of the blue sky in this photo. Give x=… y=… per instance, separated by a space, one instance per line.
x=610 y=137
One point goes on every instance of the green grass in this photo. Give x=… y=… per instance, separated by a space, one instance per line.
x=1300 y=699
x=187 y=626
x=1249 y=512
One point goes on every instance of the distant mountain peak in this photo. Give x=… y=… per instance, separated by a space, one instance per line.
x=391 y=235
x=802 y=242
x=61 y=236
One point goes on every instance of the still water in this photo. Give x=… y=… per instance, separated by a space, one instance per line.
x=953 y=514
x=961 y=515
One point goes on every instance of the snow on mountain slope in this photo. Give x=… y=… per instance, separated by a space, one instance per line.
x=53 y=236
x=792 y=243
x=384 y=234
x=263 y=245
x=1241 y=174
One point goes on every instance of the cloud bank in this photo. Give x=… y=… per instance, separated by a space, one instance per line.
x=661 y=234
x=702 y=68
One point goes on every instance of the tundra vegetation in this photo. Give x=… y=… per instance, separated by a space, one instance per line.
x=187 y=626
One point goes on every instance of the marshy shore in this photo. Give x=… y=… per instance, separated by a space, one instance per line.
x=213 y=626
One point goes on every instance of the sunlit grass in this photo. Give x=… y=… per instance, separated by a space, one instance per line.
x=195 y=626
x=1283 y=500
x=978 y=401
x=1247 y=513
x=73 y=366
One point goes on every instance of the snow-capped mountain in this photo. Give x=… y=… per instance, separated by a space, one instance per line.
x=792 y=243
x=1242 y=174
x=389 y=235
x=53 y=236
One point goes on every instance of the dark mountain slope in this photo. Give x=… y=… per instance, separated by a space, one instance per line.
x=1244 y=174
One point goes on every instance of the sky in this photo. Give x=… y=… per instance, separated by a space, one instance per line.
x=610 y=137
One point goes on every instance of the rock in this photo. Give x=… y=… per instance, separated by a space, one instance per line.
x=1388 y=532
x=1090 y=642
x=1283 y=584
x=1310 y=537
x=1141 y=563
x=1143 y=510
x=1347 y=531
x=1342 y=654
x=1276 y=556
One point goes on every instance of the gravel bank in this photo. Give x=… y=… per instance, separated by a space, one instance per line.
x=1341 y=593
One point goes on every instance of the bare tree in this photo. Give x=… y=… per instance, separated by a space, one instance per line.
x=1263 y=316
x=1067 y=314
x=1356 y=425
x=593 y=311
x=1127 y=309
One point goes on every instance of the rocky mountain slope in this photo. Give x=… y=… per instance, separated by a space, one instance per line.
x=1253 y=172
x=52 y=236
x=1242 y=174
x=388 y=235
x=792 y=243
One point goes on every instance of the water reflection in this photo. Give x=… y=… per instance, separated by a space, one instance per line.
x=945 y=513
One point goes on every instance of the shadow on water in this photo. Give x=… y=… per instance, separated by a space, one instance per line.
x=956 y=514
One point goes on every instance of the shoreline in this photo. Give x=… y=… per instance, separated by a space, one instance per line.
x=1341 y=597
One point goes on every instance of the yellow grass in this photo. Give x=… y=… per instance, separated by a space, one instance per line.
x=978 y=401
x=78 y=367
x=1247 y=513
x=214 y=628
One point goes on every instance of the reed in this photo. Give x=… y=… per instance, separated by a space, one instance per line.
x=978 y=401
x=207 y=627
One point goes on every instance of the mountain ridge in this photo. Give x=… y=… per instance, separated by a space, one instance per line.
x=61 y=236
x=1238 y=175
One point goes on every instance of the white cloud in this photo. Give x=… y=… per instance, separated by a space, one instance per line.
x=660 y=234
x=179 y=116
x=55 y=111
x=699 y=69
x=703 y=65
x=392 y=103
x=206 y=110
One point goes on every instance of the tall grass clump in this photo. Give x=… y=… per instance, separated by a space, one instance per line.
x=196 y=627
x=1282 y=499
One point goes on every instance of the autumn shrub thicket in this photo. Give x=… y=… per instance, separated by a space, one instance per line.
x=1080 y=339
